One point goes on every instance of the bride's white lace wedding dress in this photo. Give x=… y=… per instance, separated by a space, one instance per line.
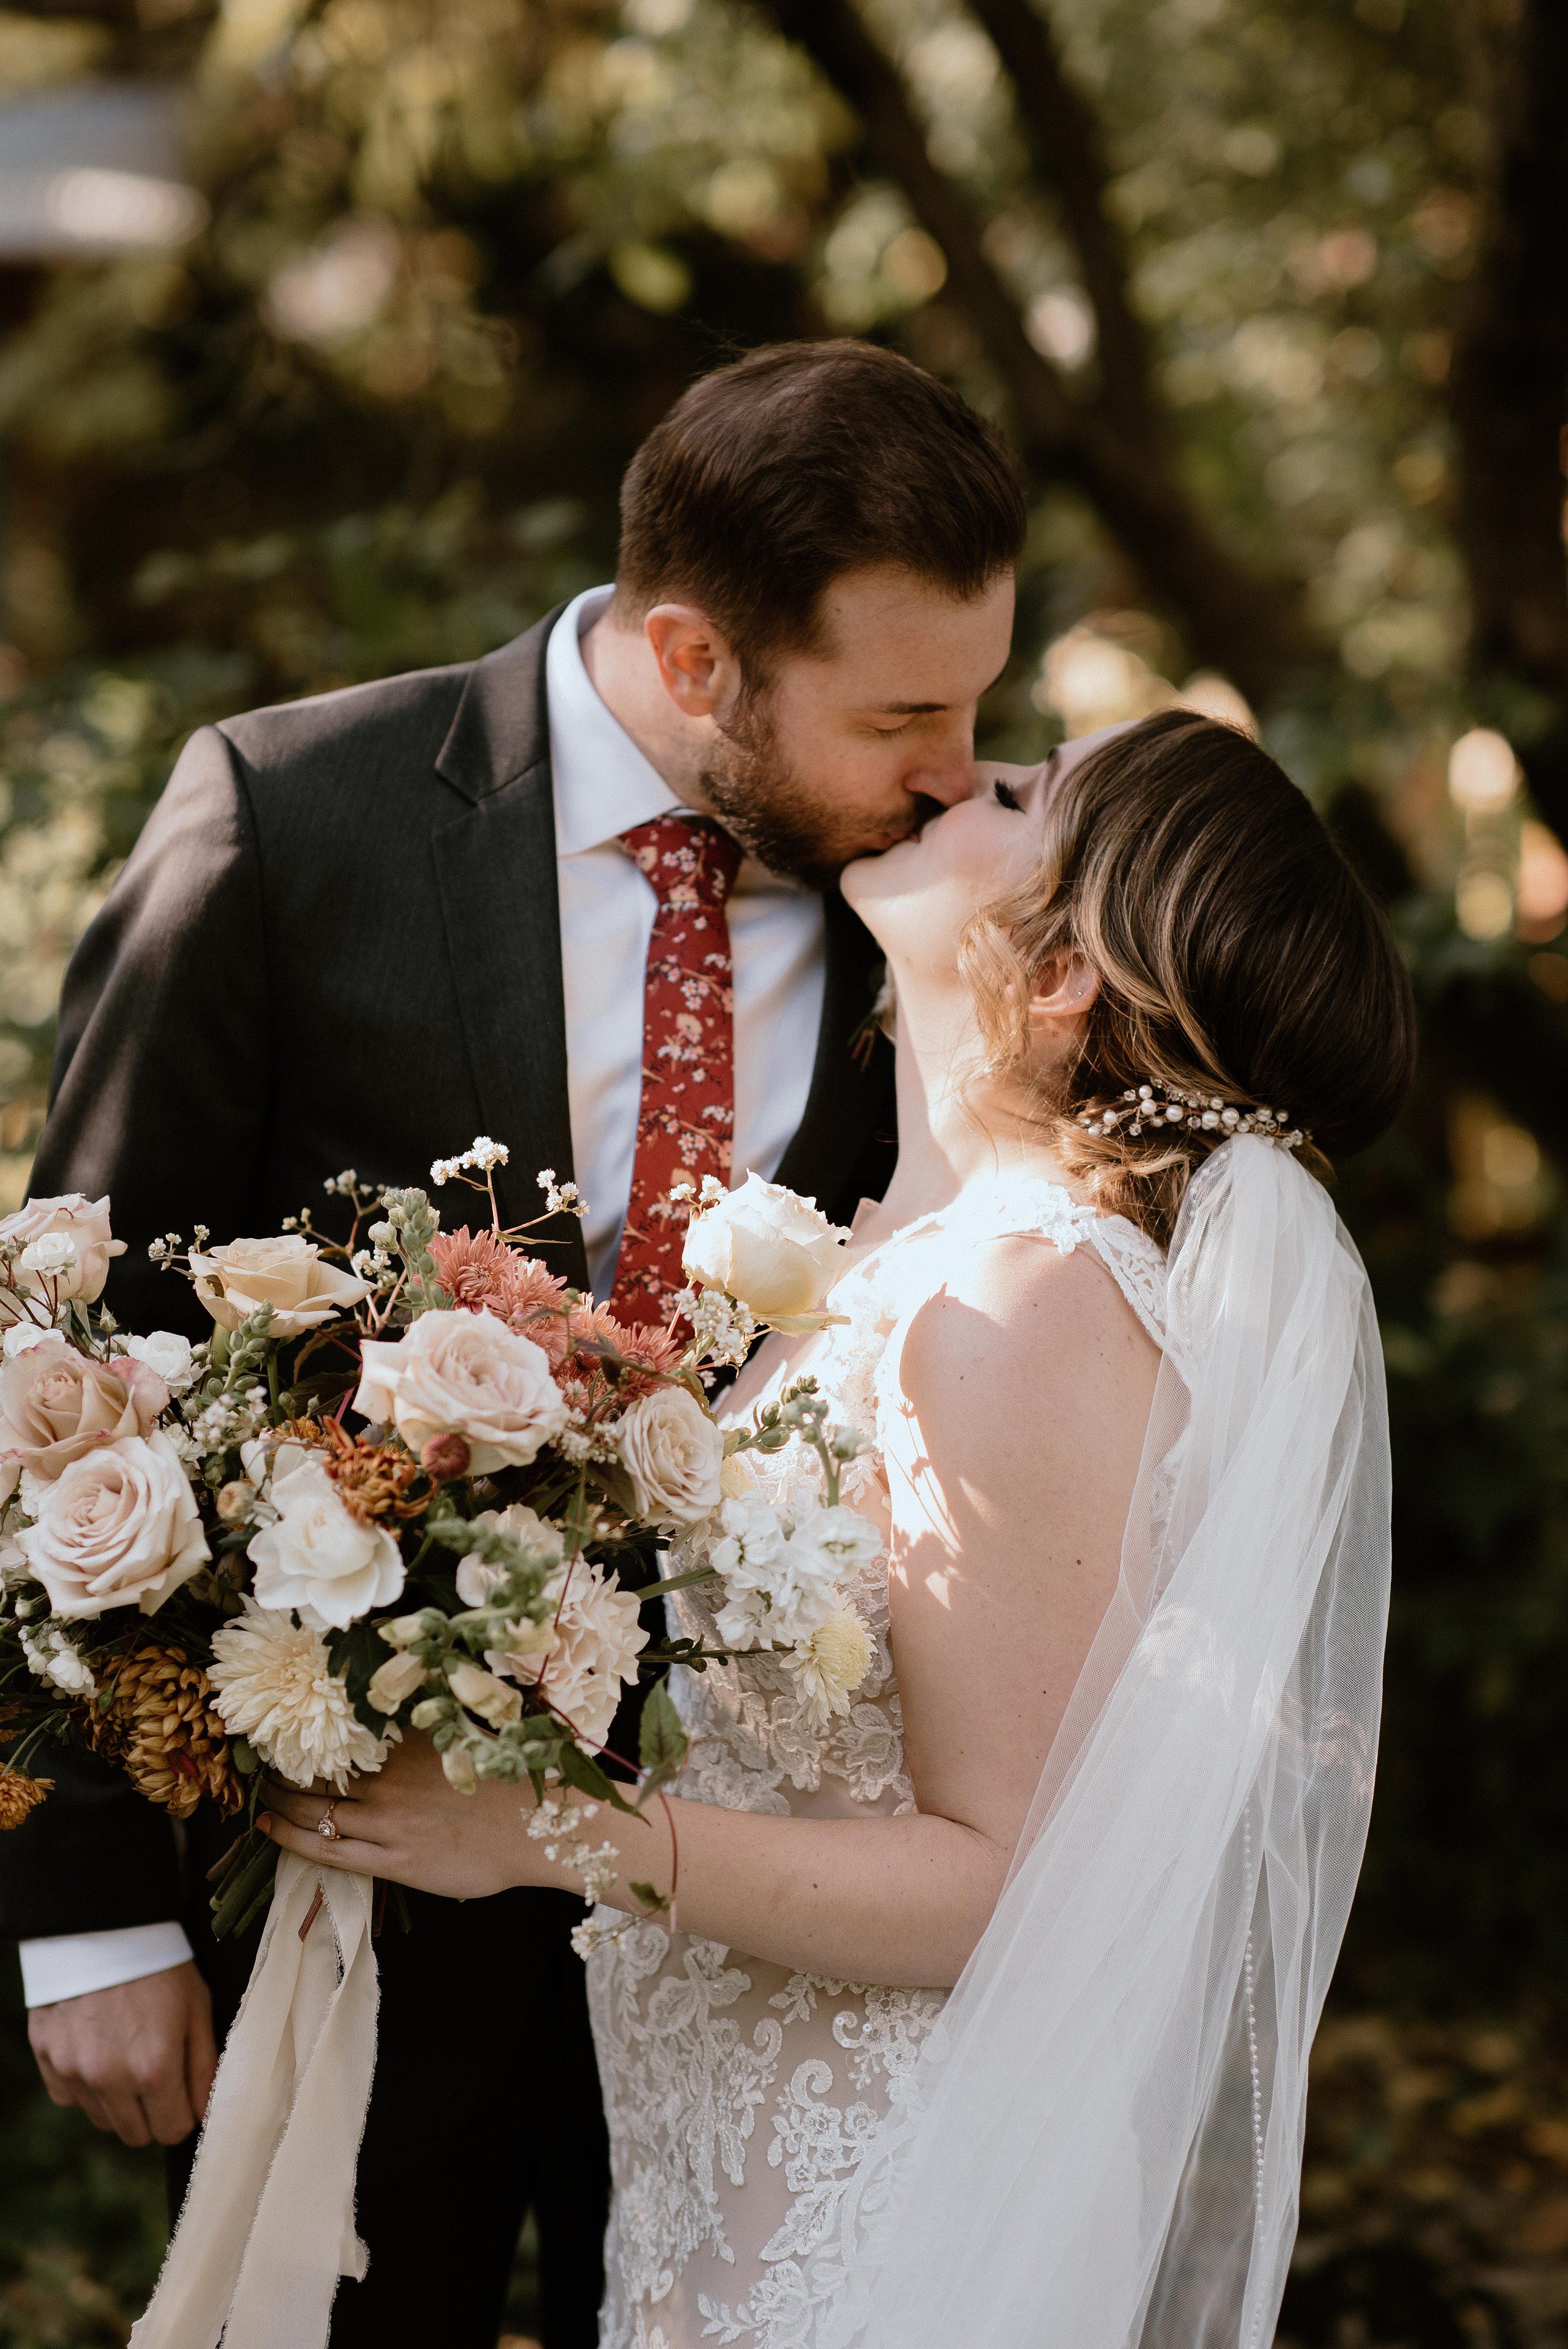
x=741 y=2095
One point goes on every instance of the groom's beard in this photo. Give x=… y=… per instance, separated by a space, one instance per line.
x=761 y=801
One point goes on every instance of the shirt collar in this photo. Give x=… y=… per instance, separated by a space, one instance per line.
x=602 y=783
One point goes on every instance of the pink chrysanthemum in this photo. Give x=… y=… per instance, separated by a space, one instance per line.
x=654 y=1348
x=479 y=1272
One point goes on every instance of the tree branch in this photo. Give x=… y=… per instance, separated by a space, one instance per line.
x=1242 y=622
x=1062 y=134
x=1509 y=389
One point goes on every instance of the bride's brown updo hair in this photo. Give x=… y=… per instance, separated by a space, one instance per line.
x=1238 y=956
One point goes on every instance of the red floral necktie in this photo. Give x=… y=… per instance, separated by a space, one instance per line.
x=686 y=1125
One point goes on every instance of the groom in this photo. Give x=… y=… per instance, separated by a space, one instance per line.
x=359 y=930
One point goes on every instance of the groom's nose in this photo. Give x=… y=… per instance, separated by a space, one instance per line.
x=947 y=779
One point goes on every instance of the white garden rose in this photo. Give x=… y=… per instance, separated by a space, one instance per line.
x=119 y=1528
x=767 y=1246
x=82 y=1272
x=171 y=1356
x=271 y=1683
x=464 y=1375
x=674 y=1455
x=57 y=1404
x=20 y=1335
x=319 y=1558
x=286 y=1273
x=594 y=1641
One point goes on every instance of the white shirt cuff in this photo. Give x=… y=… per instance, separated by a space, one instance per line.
x=69 y=1965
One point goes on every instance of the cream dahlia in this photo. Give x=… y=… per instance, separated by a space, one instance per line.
x=271 y=1683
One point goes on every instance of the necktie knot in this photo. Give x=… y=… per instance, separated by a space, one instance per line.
x=687 y=861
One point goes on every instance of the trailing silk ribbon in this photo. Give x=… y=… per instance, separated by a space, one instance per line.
x=268 y=2223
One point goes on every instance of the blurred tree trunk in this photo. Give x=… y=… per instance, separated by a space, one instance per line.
x=1117 y=450
x=1066 y=148
x=1511 y=390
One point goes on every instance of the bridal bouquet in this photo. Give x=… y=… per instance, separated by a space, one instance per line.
x=412 y=1483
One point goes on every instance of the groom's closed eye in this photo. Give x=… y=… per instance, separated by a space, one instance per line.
x=1008 y=797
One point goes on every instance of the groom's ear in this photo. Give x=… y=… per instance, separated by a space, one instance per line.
x=697 y=668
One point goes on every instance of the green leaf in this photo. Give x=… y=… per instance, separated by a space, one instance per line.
x=355 y=1655
x=662 y=1744
x=580 y=1770
x=656 y=1902
x=677 y=1582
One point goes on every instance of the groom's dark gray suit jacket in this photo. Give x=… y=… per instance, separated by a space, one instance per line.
x=337 y=944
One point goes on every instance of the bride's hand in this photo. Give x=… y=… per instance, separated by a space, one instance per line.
x=406 y=1822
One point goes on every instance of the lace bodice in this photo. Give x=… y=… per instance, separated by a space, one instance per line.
x=739 y=2094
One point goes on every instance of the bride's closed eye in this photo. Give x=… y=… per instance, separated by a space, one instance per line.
x=1008 y=797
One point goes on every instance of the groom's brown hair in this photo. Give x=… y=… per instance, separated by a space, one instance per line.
x=773 y=477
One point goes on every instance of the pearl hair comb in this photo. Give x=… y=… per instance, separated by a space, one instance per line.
x=1145 y=1107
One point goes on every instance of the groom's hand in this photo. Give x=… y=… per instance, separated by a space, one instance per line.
x=137 y=2059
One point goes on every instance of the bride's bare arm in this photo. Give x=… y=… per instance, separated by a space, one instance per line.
x=1028 y=1387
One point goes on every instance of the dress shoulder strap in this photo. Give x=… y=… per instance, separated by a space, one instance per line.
x=1017 y=1202
x=1137 y=1264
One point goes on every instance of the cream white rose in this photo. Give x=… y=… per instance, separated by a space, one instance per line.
x=767 y=1246
x=119 y=1528
x=286 y=1273
x=464 y=1375
x=172 y=1357
x=73 y=1216
x=674 y=1454
x=319 y=1558
x=57 y=1404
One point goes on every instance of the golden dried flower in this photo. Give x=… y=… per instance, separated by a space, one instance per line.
x=372 y=1479
x=154 y=1718
x=19 y=1795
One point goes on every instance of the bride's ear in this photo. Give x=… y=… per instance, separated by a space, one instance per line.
x=1061 y=1002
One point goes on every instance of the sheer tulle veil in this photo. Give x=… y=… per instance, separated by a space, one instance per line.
x=1102 y=2147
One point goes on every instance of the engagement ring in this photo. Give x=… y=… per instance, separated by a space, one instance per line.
x=326 y=1826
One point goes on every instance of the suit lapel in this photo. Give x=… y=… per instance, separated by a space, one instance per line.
x=495 y=865
x=851 y=1093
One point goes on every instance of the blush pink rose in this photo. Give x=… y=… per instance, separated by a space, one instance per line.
x=464 y=1375
x=56 y=1404
x=73 y=1216
x=119 y=1528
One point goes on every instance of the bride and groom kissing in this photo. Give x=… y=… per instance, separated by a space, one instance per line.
x=985 y=2001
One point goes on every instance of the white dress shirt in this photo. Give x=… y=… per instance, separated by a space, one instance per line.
x=604 y=785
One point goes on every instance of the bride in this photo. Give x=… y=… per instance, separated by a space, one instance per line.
x=986 y=2002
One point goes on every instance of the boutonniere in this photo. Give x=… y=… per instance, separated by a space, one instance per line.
x=879 y=1020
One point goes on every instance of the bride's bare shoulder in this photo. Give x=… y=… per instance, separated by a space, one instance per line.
x=1023 y=1330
